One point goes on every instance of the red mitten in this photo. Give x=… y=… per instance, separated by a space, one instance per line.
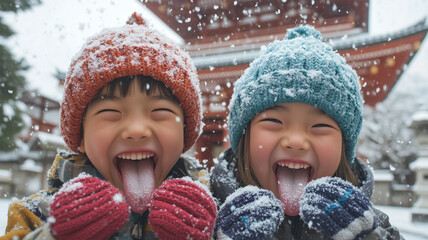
x=87 y=208
x=180 y=209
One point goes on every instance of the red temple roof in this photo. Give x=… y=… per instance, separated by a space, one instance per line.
x=224 y=36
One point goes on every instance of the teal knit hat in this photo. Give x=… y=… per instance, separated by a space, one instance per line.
x=300 y=68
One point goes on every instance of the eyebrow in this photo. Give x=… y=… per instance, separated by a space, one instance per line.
x=102 y=98
x=319 y=111
x=277 y=107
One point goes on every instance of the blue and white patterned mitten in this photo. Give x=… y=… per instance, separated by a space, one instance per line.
x=336 y=208
x=249 y=213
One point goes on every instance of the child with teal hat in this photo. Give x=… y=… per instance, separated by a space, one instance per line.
x=292 y=171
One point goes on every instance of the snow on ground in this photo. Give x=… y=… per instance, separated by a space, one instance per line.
x=399 y=217
x=4 y=205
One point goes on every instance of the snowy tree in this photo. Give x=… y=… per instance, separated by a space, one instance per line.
x=11 y=80
x=386 y=138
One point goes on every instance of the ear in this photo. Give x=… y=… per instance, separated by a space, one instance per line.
x=82 y=146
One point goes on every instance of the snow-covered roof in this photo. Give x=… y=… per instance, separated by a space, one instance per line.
x=46 y=141
x=30 y=166
x=420 y=116
x=5 y=175
x=40 y=141
x=225 y=59
x=9 y=156
x=247 y=53
x=383 y=175
x=420 y=163
x=366 y=39
x=47 y=138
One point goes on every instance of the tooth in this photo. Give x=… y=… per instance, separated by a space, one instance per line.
x=139 y=156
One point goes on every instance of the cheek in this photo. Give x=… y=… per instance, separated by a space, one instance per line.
x=97 y=141
x=172 y=144
x=96 y=147
x=172 y=136
x=259 y=152
x=261 y=148
x=329 y=156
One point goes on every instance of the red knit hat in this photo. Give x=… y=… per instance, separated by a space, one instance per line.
x=133 y=49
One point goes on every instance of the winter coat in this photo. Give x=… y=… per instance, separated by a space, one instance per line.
x=28 y=217
x=223 y=183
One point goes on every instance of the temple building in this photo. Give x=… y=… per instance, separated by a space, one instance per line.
x=224 y=36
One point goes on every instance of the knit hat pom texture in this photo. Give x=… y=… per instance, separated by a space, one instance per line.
x=300 y=68
x=130 y=50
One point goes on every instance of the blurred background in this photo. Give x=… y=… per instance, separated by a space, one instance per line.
x=383 y=40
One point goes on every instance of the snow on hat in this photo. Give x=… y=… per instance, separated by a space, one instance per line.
x=133 y=49
x=300 y=68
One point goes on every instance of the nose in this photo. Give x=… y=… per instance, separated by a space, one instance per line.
x=295 y=140
x=136 y=128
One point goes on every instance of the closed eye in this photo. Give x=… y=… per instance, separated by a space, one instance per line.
x=323 y=125
x=271 y=120
x=108 y=110
x=163 y=109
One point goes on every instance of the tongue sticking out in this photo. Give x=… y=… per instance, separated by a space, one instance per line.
x=138 y=182
x=291 y=183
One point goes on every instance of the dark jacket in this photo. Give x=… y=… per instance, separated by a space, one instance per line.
x=223 y=183
x=28 y=217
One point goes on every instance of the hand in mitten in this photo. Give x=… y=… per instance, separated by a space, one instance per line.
x=336 y=208
x=87 y=208
x=182 y=209
x=249 y=213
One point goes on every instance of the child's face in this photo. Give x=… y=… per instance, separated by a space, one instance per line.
x=289 y=137
x=137 y=126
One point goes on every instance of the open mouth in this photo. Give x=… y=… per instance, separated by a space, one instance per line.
x=140 y=156
x=293 y=171
x=292 y=177
x=137 y=174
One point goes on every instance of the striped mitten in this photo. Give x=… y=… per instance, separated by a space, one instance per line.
x=249 y=213
x=336 y=208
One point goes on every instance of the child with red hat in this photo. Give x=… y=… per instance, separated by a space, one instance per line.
x=132 y=106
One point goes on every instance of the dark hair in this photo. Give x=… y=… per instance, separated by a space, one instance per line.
x=245 y=175
x=148 y=85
